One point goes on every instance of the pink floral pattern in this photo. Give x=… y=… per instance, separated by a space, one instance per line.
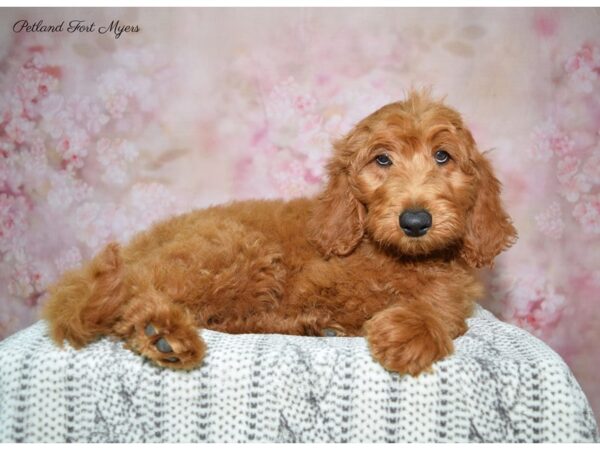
x=99 y=138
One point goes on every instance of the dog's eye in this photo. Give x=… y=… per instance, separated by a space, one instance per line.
x=441 y=157
x=383 y=160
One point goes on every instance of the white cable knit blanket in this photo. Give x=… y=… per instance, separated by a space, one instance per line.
x=502 y=384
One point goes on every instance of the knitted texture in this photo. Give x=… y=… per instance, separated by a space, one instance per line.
x=501 y=384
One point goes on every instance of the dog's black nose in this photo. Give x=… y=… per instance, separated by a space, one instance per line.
x=415 y=222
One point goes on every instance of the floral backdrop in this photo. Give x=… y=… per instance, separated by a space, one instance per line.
x=101 y=136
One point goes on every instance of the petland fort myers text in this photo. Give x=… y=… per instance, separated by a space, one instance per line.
x=114 y=28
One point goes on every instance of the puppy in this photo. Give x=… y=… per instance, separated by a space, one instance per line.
x=387 y=251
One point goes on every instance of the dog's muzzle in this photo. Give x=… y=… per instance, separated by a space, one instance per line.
x=415 y=222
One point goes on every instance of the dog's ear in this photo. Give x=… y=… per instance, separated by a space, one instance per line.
x=489 y=228
x=336 y=226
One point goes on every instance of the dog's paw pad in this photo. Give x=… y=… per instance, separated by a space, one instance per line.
x=169 y=344
x=163 y=346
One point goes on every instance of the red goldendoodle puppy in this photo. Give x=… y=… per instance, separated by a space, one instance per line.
x=387 y=251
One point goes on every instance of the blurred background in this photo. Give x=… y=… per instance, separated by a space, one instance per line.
x=101 y=136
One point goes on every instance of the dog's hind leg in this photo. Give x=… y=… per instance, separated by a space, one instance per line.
x=222 y=276
x=163 y=331
x=113 y=296
x=171 y=281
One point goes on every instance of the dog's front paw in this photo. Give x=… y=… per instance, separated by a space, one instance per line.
x=406 y=343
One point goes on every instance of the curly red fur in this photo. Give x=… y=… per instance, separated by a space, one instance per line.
x=340 y=261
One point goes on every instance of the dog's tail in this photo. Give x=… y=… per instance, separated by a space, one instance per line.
x=85 y=303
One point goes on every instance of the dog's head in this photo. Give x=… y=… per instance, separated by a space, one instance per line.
x=410 y=178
